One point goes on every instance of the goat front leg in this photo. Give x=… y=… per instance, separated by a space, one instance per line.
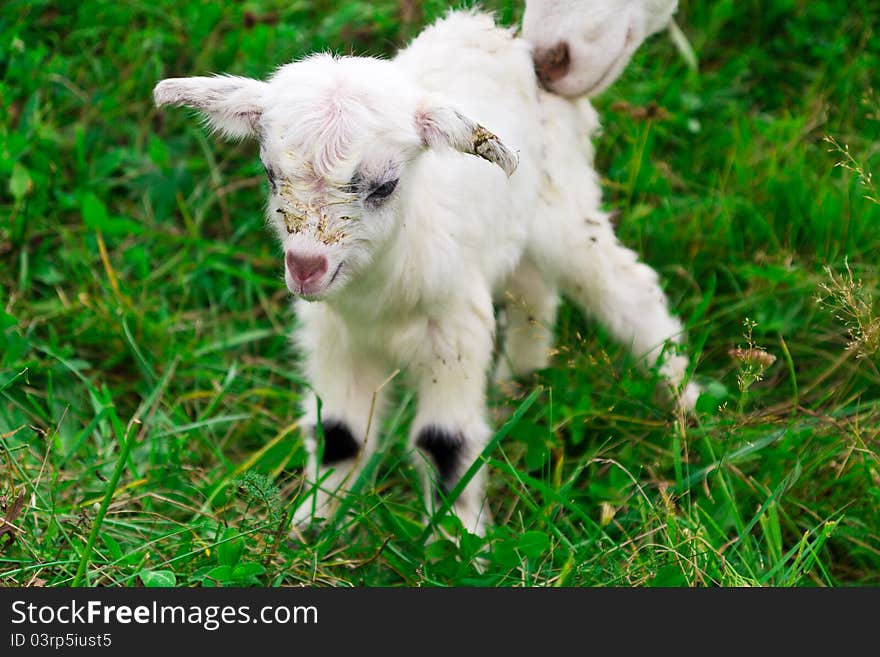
x=349 y=385
x=450 y=429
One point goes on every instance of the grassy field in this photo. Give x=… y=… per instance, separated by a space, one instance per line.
x=148 y=391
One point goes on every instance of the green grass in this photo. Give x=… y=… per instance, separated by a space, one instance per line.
x=148 y=391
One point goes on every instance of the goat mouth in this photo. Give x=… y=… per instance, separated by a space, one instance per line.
x=604 y=79
x=317 y=294
x=335 y=274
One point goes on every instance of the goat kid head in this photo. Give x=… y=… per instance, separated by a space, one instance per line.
x=336 y=137
x=582 y=46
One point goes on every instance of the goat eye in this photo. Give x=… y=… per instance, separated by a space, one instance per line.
x=270 y=175
x=382 y=192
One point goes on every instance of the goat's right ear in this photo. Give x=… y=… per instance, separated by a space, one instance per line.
x=232 y=105
x=439 y=124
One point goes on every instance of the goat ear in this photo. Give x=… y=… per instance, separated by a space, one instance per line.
x=658 y=14
x=232 y=105
x=439 y=124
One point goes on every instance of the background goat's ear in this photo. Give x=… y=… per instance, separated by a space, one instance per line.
x=443 y=125
x=232 y=105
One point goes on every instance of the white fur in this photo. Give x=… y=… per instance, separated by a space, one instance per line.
x=601 y=36
x=411 y=281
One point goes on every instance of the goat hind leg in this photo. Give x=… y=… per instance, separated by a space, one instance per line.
x=531 y=304
x=609 y=283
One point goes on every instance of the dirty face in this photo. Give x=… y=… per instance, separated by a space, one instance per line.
x=336 y=136
x=330 y=225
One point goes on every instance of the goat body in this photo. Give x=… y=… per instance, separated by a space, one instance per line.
x=403 y=219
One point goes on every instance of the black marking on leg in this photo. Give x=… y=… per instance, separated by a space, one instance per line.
x=339 y=443
x=444 y=448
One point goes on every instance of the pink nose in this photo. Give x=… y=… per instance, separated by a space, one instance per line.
x=305 y=268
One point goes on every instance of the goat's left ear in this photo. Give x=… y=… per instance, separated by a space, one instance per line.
x=232 y=105
x=440 y=124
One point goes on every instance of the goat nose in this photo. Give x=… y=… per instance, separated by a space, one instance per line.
x=552 y=63
x=305 y=268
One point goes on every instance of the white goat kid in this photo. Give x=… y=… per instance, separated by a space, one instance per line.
x=582 y=46
x=397 y=239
